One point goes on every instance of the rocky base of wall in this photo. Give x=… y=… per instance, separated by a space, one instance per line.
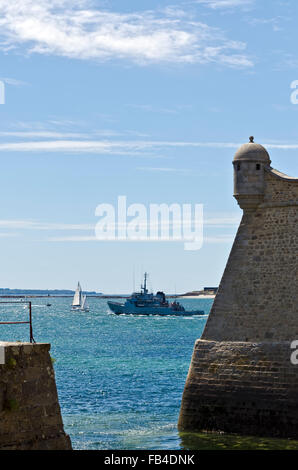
x=48 y=443
x=30 y=417
x=241 y=388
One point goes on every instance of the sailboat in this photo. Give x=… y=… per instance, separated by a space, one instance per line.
x=79 y=300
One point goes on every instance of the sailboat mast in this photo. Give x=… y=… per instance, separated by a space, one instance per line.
x=80 y=291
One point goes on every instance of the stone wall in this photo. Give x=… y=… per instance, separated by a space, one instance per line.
x=241 y=387
x=30 y=417
x=241 y=379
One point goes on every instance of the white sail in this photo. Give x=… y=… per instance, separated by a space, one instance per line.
x=77 y=298
x=83 y=302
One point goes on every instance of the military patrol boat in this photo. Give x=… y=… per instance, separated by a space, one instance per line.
x=143 y=303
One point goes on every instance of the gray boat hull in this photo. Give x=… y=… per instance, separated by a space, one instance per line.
x=123 y=309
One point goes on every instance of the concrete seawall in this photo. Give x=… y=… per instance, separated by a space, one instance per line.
x=30 y=417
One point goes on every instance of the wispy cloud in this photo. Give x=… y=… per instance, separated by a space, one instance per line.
x=287 y=61
x=153 y=109
x=63 y=129
x=16 y=227
x=149 y=108
x=163 y=169
x=274 y=22
x=222 y=4
x=37 y=225
x=73 y=238
x=77 y=146
x=73 y=29
x=8 y=235
x=220 y=239
x=124 y=147
x=48 y=134
x=42 y=134
x=222 y=221
x=28 y=224
x=13 y=81
x=226 y=239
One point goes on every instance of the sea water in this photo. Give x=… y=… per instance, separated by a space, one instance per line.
x=120 y=379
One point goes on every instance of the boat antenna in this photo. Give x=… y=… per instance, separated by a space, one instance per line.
x=145 y=283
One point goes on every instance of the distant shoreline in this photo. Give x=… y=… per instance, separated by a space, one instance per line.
x=200 y=296
x=53 y=296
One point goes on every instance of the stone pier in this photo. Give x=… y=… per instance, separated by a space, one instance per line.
x=30 y=417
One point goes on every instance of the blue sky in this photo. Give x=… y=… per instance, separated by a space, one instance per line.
x=145 y=99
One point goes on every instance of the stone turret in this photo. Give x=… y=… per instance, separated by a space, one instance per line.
x=241 y=378
x=249 y=163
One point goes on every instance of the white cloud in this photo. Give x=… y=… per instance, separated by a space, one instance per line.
x=92 y=238
x=73 y=29
x=13 y=81
x=223 y=221
x=126 y=147
x=153 y=109
x=273 y=22
x=42 y=134
x=37 y=225
x=215 y=4
x=82 y=238
x=21 y=225
x=77 y=146
x=28 y=224
x=220 y=239
x=8 y=235
x=164 y=169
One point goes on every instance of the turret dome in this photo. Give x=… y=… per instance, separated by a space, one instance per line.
x=252 y=152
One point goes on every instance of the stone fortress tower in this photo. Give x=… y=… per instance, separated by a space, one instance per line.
x=241 y=378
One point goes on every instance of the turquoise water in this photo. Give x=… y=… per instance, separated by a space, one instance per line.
x=119 y=378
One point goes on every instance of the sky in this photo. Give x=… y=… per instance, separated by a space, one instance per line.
x=149 y=100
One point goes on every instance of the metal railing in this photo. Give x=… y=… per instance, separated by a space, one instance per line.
x=29 y=322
